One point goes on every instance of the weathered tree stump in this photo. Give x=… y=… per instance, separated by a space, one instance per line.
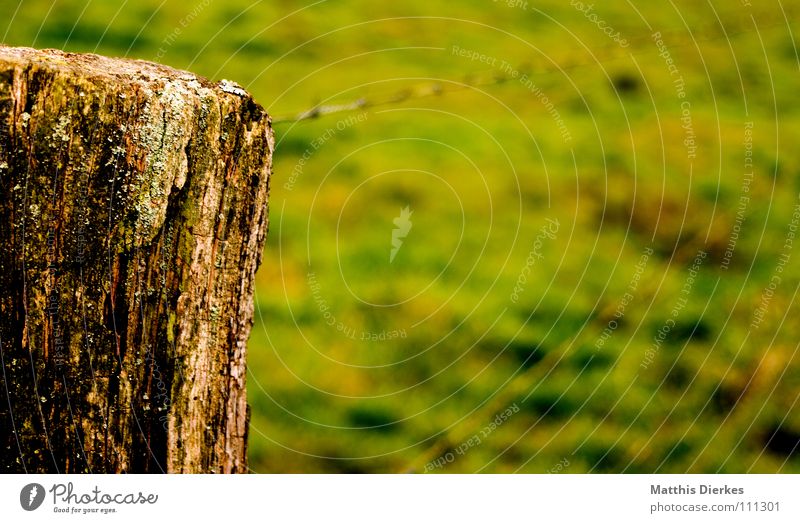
x=132 y=219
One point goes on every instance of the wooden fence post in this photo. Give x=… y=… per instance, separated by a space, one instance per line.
x=132 y=219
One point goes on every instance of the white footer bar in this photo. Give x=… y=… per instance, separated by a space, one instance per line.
x=401 y=498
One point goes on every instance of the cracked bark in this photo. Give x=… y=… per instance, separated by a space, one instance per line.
x=132 y=219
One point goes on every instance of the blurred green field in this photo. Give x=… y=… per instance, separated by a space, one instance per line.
x=359 y=364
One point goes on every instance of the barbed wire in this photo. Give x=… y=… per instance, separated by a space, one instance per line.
x=497 y=77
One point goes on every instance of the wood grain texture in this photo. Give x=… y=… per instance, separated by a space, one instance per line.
x=132 y=220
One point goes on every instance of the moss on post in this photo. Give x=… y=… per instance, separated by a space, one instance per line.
x=132 y=219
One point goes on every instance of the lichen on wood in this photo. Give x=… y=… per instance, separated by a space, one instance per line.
x=133 y=215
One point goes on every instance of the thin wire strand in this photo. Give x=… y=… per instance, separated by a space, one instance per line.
x=497 y=77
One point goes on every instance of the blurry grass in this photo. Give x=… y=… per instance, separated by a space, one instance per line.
x=482 y=171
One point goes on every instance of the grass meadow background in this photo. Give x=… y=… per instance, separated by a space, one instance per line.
x=600 y=272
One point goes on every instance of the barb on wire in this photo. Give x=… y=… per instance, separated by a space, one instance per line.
x=395 y=98
x=321 y=110
x=424 y=90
